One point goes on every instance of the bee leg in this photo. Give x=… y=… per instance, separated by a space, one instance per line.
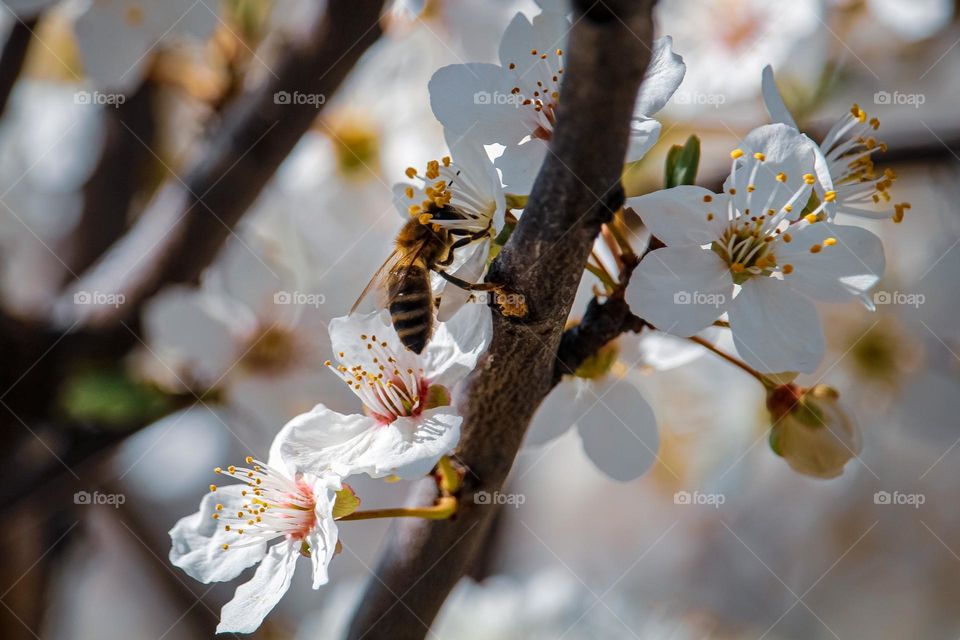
x=512 y=305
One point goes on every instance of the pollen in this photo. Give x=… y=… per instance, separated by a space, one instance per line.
x=811 y=218
x=759 y=156
x=411 y=172
x=815 y=248
x=787 y=269
x=736 y=153
x=829 y=242
x=809 y=178
x=830 y=196
x=213 y=488
x=781 y=177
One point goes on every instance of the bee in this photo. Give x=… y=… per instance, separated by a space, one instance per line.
x=422 y=246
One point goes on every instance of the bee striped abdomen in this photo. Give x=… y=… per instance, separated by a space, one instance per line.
x=411 y=308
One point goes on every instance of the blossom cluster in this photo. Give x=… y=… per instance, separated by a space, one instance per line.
x=752 y=258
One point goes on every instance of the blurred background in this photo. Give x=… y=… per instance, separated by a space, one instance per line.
x=106 y=101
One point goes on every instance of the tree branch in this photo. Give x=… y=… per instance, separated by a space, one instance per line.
x=13 y=54
x=188 y=220
x=578 y=188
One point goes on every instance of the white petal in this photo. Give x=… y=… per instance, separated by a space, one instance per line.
x=197 y=540
x=663 y=76
x=851 y=267
x=402 y=202
x=644 y=133
x=680 y=290
x=558 y=412
x=662 y=351
x=471 y=271
x=776 y=329
x=619 y=430
x=681 y=216
x=322 y=441
x=774 y=102
x=786 y=151
x=345 y=338
x=479 y=172
x=520 y=165
x=193 y=329
x=474 y=100
x=253 y=600
x=548 y=32
x=323 y=538
x=457 y=344
x=410 y=447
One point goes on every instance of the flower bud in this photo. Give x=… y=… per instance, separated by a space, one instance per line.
x=811 y=431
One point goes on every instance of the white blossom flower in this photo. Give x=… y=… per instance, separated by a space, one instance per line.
x=616 y=425
x=273 y=503
x=844 y=160
x=411 y=418
x=135 y=29
x=253 y=330
x=727 y=42
x=758 y=235
x=514 y=103
x=467 y=182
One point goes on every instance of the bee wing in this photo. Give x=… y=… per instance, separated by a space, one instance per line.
x=378 y=283
x=395 y=262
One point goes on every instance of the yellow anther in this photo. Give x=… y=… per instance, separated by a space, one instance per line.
x=809 y=178
x=736 y=267
x=787 y=237
x=708 y=198
x=424 y=218
x=829 y=242
x=433 y=169
x=533 y=52
x=815 y=248
x=787 y=269
x=709 y=217
x=411 y=172
x=782 y=177
x=759 y=156
x=213 y=488
x=445 y=160
x=736 y=153
x=249 y=459
x=811 y=218
x=408 y=192
x=751 y=188
x=217 y=470
x=225 y=547
x=830 y=196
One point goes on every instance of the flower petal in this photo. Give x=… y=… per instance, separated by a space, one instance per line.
x=776 y=329
x=323 y=538
x=680 y=290
x=644 y=133
x=322 y=441
x=684 y=215
x=547 y=32
x=619 y=430
x=456 y=345
x=253 y=600
x=851 y=266
x=558 y=411
x=410 y=447
x=474 y=100
x=774 y=101
x=664 y=74
x=520 y=164
x=198 y=539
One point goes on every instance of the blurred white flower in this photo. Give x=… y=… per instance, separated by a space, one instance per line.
x=117 y=38
x=753 y=235
x=235 y=524
x=411 y=418
x=514 y=103
x=248 y=330
x=912 y=19
x=726 y=43
x=844 y=160
x=616 y=425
